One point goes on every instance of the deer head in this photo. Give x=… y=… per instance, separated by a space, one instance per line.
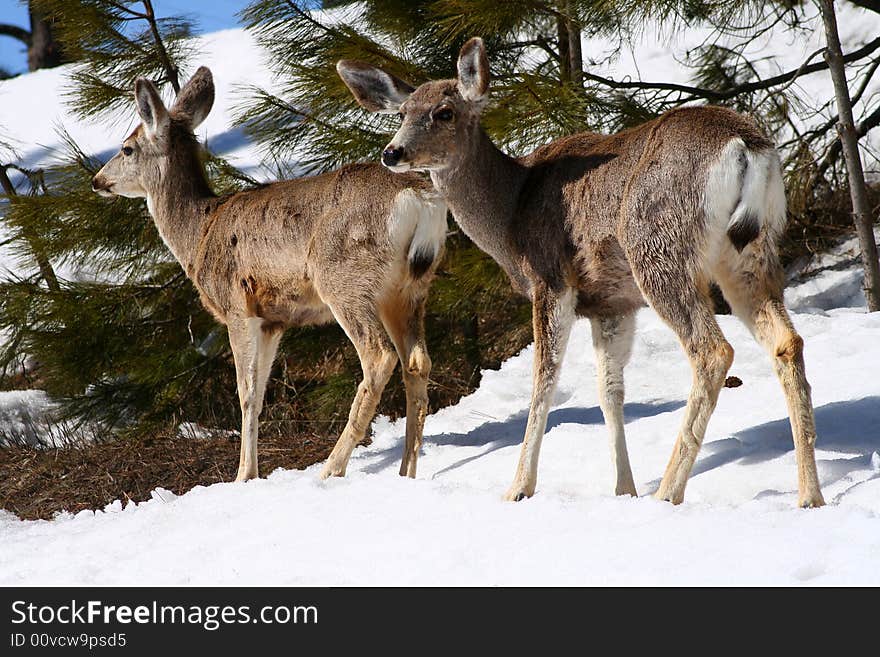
x=438 y=118
x=138 y=167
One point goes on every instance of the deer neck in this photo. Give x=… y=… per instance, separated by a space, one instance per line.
x=482 y=191
x=180 y=206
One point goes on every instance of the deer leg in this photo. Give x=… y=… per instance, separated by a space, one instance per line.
x=612 y=341
x=378 y=359
x=552 y=317
x=679 y=292
x=690 y=315
x=757 y=301
x=710 y=356
x=416 y=368
x=406 y=327
x=775 y=332
x=253 y=350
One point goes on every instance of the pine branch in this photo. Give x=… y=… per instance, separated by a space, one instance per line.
x=822 y=130
x=836 y=149
x=170 y=70
x=128 y=10
x=43 y=263
x=542 y=42
x=16 y=32
x=308 y=17
x=715 y=96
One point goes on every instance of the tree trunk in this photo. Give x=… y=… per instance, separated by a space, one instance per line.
x=849 y=141
x=574 y=47
x=43 y=50
x=564 y=55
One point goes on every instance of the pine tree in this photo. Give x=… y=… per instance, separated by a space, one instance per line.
x=125 y=342
x=862 y=215
x=536 y=96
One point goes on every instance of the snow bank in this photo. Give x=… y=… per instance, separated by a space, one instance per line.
x=829 y=280
x=739 y=523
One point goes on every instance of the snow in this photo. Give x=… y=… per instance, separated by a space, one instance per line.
x=739 y=524
x=33 y=110
x=22 y=414
x=39 y=107
x=659 y=56
x=829 y=280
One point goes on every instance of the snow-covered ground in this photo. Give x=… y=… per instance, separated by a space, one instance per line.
x=738 y=525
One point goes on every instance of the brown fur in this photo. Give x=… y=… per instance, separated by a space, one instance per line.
x=291 y=253
x=617 y=220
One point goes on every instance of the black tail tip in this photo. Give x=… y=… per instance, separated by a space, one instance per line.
x=420 y=262
x=744 y=231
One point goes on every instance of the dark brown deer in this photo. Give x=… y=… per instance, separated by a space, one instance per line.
x=591 y=225
x=358 y=246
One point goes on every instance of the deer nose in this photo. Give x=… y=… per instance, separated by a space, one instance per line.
x=101 y=185
x=391 y=156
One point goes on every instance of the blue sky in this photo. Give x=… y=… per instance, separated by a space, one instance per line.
x=210 y=15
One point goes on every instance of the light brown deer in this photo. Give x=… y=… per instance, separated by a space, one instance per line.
x=590 y=225
x=358 y=245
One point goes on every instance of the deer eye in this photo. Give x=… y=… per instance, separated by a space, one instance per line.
x=443 y=114
x=127 y=150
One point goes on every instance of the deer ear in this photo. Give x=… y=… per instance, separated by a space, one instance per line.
x=196 y=98
x=151 y=108
x=373 y=88
x=473 y=71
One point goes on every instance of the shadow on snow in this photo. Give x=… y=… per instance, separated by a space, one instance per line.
x=850 y=428
x=509 y=432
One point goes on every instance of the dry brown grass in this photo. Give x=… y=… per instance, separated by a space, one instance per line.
x=38 y=483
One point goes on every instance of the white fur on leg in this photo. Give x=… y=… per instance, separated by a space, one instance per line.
x=247 y=390
x=544 y=386
x=612 y=341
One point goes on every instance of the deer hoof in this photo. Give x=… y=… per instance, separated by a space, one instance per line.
x=811 y=501
x=626 y=489
x=672 y=498
x=331 y=470
x=518 y=493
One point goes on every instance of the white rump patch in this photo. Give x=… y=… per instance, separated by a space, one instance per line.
x=417 y=225
x=743 y=185
x=766 y=190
